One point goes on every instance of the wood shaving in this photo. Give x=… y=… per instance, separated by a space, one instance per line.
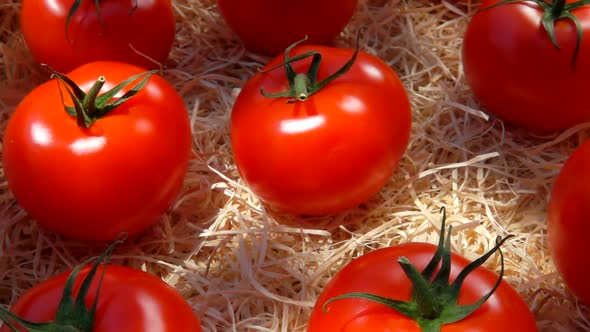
x=245 y=268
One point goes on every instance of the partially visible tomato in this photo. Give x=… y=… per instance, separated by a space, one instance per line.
x=118 y=30
x=568 y=224
x=380 y=273
x=118 y=175
x=518 y=74
x=331 y=151
x=126 y=299
x=129 y=300
x=270 y=26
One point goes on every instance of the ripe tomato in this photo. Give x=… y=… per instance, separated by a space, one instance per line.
x=568 y=225
x=330 y=152
x=118 y=175
x=516 y=71
x=270 y=26
x=110 y=32
x=378 y=273
x=127 y=299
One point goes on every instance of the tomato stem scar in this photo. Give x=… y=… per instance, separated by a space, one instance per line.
x=434 y=300
x=304 y=85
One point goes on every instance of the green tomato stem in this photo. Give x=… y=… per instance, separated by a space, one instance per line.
x=434 y=302
x=301 y=87
x=72 y=314
x=558 y=6
x=91 y=106
x=422 y=292
x=553 y=11
x=89 y=101
x=304 y=85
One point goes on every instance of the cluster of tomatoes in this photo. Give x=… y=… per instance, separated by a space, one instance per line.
x=528 y=64
x=99 y=150
x=102 y=149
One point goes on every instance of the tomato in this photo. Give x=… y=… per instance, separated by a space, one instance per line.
x=129 y=300
x=518 y=74
x=118 y=30
x=271 y=26
x=126 y=299
x=567 y=222
x=382 y=274
x=330 y=152
x=118 y=175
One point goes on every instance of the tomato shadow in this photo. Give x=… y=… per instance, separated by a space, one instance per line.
x=329 y=222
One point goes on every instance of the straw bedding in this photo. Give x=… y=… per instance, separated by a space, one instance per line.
x=245 y=269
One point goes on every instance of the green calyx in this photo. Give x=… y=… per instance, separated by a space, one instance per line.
x=90 y=106
x=76 y=5
x=434 y=298
x=554 y=10
x=72 y=314
x=303 y=85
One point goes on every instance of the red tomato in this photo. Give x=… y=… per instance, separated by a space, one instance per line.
x=568 y=226
x=517 y=73
x=379 y=273
x=149 y=28
x=330 y=152
x=129 y=300
x=270 y=26
x=118 y=175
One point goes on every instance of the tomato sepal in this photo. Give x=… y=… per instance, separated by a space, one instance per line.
x=552 y=12
x=434 y=303
x=72 y=314
x=89 y=107
x=303 y=85
x=75 y=7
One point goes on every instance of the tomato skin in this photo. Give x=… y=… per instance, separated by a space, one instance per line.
x=331 y=152
x=567 y=222
x=150 y=29
x=119 y=175
x=379 y=273
x=129 y=300
x=516 y=72
x=271 y=26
